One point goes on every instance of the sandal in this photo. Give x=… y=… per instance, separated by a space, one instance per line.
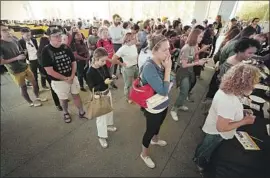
x=82 y=116
x=67 y=118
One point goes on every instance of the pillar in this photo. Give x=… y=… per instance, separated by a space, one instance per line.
x=200 y=10
x=225 y=10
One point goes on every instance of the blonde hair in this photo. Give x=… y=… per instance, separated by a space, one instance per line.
x=101 y=29
x=239 y=79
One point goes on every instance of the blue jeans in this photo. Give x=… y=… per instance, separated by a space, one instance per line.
x=183 y=94
x=205 y=149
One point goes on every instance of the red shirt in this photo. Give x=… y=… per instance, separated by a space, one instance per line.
x=107 y=44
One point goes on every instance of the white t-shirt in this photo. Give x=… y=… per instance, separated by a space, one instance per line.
x=32 y=51
x=226 y=106
x=116 y=33
x=129 y=54
x=143 y=57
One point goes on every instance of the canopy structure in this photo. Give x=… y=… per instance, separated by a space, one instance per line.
x=138 y=10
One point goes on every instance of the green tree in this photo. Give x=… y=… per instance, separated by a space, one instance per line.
x=251 y=9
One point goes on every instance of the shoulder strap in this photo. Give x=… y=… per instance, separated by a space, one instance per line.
x=149 y=60
x=51 y=54
x=102 y=43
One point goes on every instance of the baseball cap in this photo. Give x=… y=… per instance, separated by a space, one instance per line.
x=54 y=32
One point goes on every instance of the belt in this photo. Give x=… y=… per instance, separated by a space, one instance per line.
x=105 y=92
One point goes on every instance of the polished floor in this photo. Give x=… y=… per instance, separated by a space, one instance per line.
x=35 y=142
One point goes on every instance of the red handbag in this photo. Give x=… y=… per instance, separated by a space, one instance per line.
x=139 y=94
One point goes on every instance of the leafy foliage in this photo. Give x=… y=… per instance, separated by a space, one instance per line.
x=251 y=9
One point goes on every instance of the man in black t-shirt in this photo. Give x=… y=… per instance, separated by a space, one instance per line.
x=60 y=65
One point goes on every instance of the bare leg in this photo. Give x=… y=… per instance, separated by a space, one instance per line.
x=155 y=138
x=65 y=106
x=144 y=151
x=25 y=94
x=35 y=88
x=78 y=103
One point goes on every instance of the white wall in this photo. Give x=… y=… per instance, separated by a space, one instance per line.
x=14 y=10
x=200 y=10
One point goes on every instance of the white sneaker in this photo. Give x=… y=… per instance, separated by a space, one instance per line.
x=103 y=142
x=183 y=108
x=111 y=128
x=159 y=142
x=148 y=161
x=174 y=115
x=42 y=99
x=35 y=104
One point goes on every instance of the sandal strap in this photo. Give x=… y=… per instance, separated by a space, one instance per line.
x=67 y=117
x=82 y=116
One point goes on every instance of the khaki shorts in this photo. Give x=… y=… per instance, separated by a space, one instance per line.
x=63 y=89
x=19 y=78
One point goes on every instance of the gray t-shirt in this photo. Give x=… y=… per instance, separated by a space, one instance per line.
x=187 y=52
x=10 y=50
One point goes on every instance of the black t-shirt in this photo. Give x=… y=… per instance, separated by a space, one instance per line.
x=95 y=78
x=59 y=58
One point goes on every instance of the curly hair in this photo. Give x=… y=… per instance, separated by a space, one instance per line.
x=239 y=79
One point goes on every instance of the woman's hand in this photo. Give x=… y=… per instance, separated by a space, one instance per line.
x=201 y=62
x=167 y=63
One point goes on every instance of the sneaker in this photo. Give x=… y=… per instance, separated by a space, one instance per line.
x=111 y=128
x=28 y=84
x=190 y=99
x=148 y=161
x=103 y=142
x=129 y=101
x=45 y=88
x=83 y=89
x=35 y=104
x=42 y=99
x=200 y=168
x=159 y=142
x=183 y=108
x=59 y=108
x=174 y=115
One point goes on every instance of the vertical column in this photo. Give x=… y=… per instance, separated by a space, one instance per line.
x=226 y=8
x=200 y=10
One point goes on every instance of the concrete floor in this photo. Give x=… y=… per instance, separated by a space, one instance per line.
x=36 y=142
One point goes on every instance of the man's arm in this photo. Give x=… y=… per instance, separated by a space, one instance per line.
x=74 y=69
x=55 y=74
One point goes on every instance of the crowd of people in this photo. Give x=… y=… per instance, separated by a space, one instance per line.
x=160 y=54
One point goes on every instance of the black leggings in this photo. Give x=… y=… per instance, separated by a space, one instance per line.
x=213 y=86
x=54 y=95
x=153 y=123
